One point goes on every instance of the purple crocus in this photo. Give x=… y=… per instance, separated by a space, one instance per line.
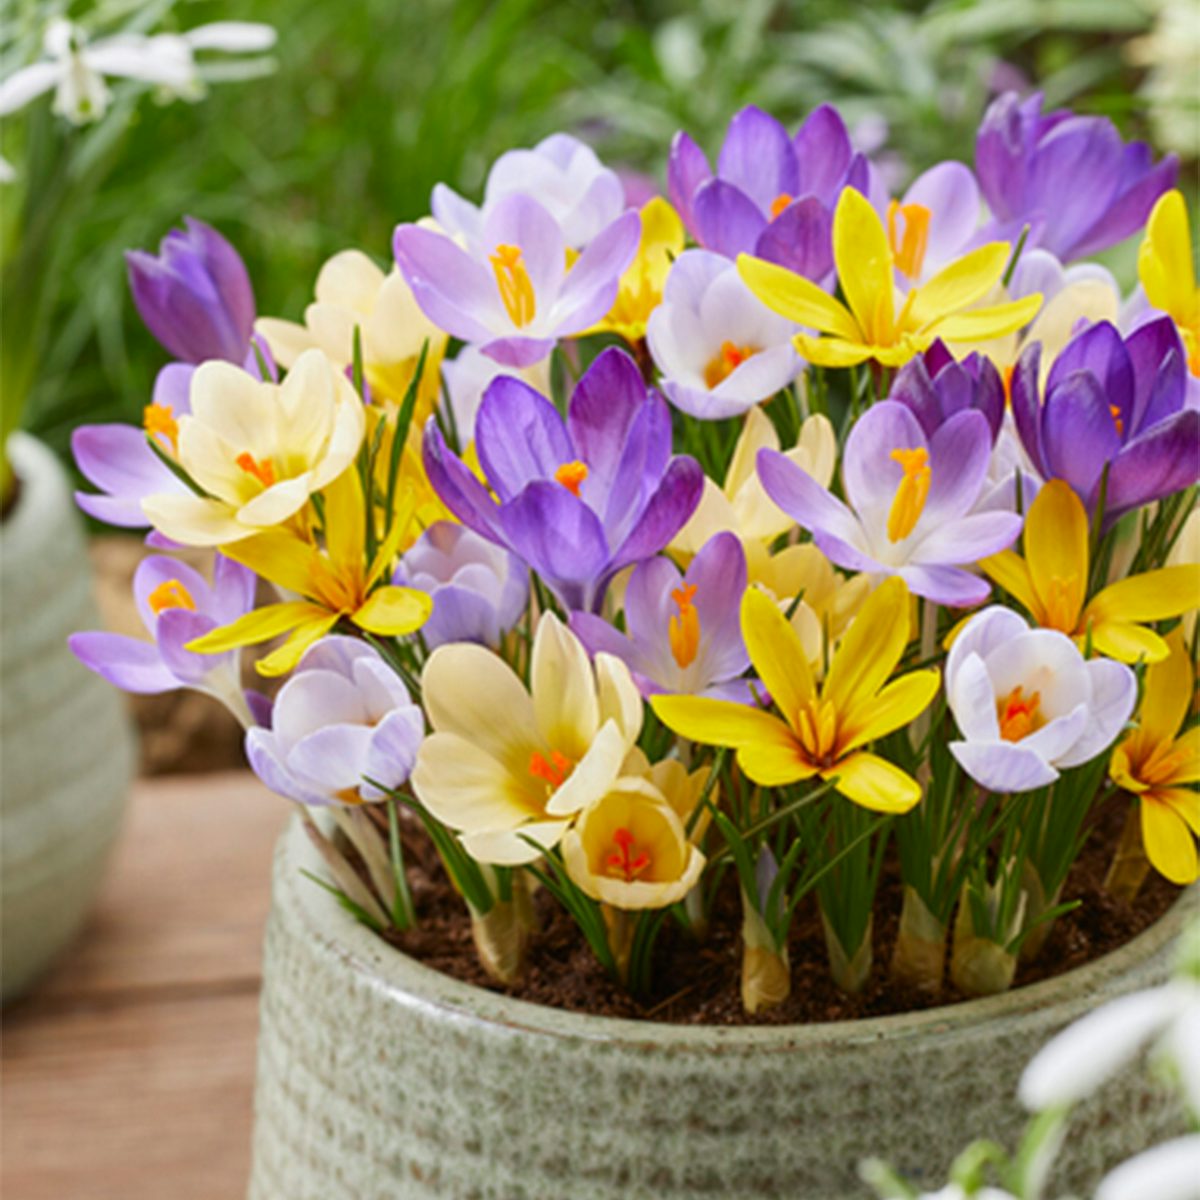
x=910 y=502
x=683 y=631
x=934 y=386
x=514 y=294
x=195 y=295
x=1115 y=402
x=1071 y=179
x=343 y=717
x=479 y=589
x=772 y=195
x=577 y=500
x=176 y=604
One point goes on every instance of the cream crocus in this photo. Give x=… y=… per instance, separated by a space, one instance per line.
x=742 y=505
x=258 y=450
x=505 y=764
x=351 y=291
x=629 y=849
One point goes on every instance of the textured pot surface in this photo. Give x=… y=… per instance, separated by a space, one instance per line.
x=66 y=748
x=379 y=1078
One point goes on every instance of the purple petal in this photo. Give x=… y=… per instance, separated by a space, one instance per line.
x=519 y=220
x=457 y=487
x=844 y=554
x=959 y=455
x=1026 y=404
x=823 y=154
x=1001 y=154
x=1003 y=766
x=758 y=158
x=604 y=404
x=1160 y=376
x=156 y=570
x=1128 y=214
x=913 y=388
x=945 y=585
x=591 y=284
x=518 y=352
x=393 y=750
x=719 y=573
x=263 y=756
x=668 y=511
x=127 y=663
x=649 y=607
x=1161 y=461
x=1099 y=350
x=453 y=290
x=460 y=615
x=176 y=627
x=728 y=221
x=520 y=436
x=951 y=194
x=1079 y=434
x=687 y=169
x=644 y=457
x=869 y=473
x=230 y=278
x=173 y=387
x=803 y=499
x=116 y=459
x=599 y=637
x=800 y=238
x=968 y=539
x=233 y=590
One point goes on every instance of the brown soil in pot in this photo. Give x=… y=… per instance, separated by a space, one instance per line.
x=700 y=984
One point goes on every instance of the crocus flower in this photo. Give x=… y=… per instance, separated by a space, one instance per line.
x=868 y=325
x=1168 y=1170
x=352 y=292
x=934 y=222
x=515 y=294
x=562 y=173
x=719 y=350
x=1167 y=271
x=333 y=583
x=681 y=630
x=467 y=377
x=505 y=763
x=772 y=195
x=1071 y=179
x=823 y=731
x=1027 y=702
x=1157 y=763
x=1111 y=402
x=1051 y=581
x=910 y=502
x=195 y=295
x=629 y=849
x=259 y=450
x=344 y=717
x=479 y=590
x=934 y=386
x=176 y=604
x=577 y=500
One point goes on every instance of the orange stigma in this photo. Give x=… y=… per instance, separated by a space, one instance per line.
x=908 y=248
x=725 y=362
x=170 y=594
x=683 y=632
x=571 y=475
x=1019 y=715
x=626 y=860
x=516 y=288
x=1115 y=409
x=552 y=771
x=911 y=494
x=780 y=203
x=260 y=468
x=1006 y=377
x=159 y=419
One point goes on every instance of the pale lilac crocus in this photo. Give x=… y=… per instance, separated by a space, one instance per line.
x=910 y=506
x=719 y=349
x=577 y=500
x=561 y=173
x=1027 y=702
x=514 y=294
x=176 y=604
x=342 y=718
x=682 y=630
x=1071 y=179
x=771 y=195
x=479 y=589
x=467 y=377
x=936 y=220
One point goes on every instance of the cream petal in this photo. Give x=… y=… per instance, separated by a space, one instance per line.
x=234 y=405
x=639 y=894
x=593 y=774
x=564 y=689
x=398 y=327
x=466 y=788
x=349 y=280
x=349 y=428
x=620 y=700
x=286 y=340
x=212 y=462
x=193 y=520
x=332 y=330
x=275 y=504
x=508 y=848
x=714 y=514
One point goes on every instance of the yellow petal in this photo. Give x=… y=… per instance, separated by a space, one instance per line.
x=345 y=520
x=1123 y=641
x=796 y=298
x=1187 y=746
x=832 y=351
x=1165 y=265
x=893 y=707
x=1167 y=692
x=259 y=625
x=874 y=783
x=720 y=722
x=864 y=266
x=662 y=231
x=1169 y=843
x=1152 y=596
x=280 y=661
x=958 y=285
x=991 y=321
x=774 y=764
x=1056 y=553
x=777 y=654
x=870 y=649
x=394 y=611
x=1121 y=770
x=279 y=556
x=1008 y=571
x=1186 y=803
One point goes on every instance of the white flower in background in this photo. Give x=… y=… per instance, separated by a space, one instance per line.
x=1168 y=1172
x=76 y=68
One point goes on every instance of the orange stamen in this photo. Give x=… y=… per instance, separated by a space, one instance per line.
x=1019 y=715
x=908 y=249
x=552 y=771
x=683 y=631
x=571 y=475
x=624 y=861
x=159 y=419
x=725 y=362
x=170 y=594
x=261 y=468
x=780 y=203
x=1116 y=416
x=1006 y=376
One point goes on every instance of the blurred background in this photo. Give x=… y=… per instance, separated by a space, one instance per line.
x=371 y=102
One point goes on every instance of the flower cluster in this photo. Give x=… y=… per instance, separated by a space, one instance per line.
x=751 y=539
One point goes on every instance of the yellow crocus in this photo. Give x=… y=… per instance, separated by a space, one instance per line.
x=1167 y=270
x=1156 y=763
x=1051 y=582
x=641 y=287
x=868 y=325
x=335 y=583
x=823 y=729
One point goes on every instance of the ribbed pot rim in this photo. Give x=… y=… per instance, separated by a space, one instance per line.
x=409 y=984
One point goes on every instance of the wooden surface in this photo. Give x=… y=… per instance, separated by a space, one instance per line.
x=128 y=1073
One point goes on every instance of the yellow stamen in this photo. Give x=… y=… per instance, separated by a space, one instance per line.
x=170 y=594
x=516 y=288
x=159 y=419
x=725 y=362
x=911 y=493
x=908 y=249
x=780 y=203
x=817 y=722
x=683 y=631
x=1161 y=764
x=1061 y=605
x=553 y=770
x=261 y=468
x=626 y=862
x=1019 y=715
x=571 y=475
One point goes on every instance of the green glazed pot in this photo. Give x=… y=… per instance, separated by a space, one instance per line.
x=380 y=1079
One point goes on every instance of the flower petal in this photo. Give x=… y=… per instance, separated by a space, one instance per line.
x=777 y=654
x=873 y=782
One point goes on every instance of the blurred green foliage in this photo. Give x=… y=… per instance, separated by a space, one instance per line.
x=374 y=101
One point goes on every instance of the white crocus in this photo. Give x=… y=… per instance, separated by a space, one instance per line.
x=1028 y=704
x=721 y=351
x=1167 y=1172
x=505 y=764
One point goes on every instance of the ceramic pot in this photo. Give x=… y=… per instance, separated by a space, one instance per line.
x=380 y=1078
x=66 y=746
